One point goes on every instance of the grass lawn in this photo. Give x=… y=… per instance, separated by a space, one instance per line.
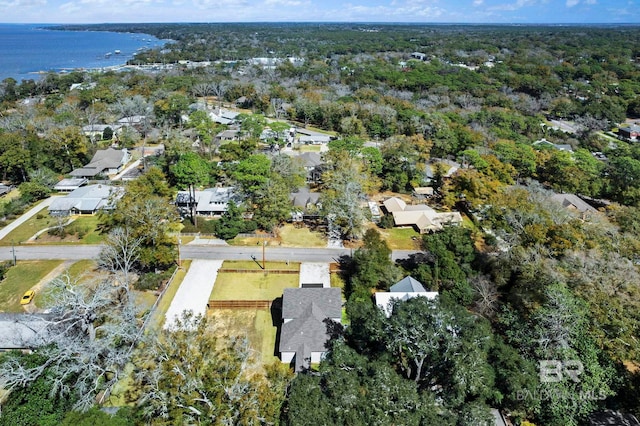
x=308 y=148
x=401 y=238
x=256 y=324
x=251 y=286
x=82 y=226
x=290 y=236
x=28 y=229
x=252 y=241
x=250 y=264
x=21 y=278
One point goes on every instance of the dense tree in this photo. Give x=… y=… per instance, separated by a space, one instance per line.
x=190 y=170
x=183 y=375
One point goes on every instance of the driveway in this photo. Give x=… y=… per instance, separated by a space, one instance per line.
x=193 y=294
x=26 y=216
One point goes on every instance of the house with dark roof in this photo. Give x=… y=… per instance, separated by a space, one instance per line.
x=405 y=289
x=631 y=133
x=306 y=314
x=305 y=204
x=86 y=200
x=312 y=163
x=108 y=161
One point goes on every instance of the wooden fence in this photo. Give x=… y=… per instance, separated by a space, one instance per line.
x=259 y=271
x=239 y=304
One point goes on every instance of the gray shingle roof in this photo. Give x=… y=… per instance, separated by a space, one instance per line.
x=408 y=284
x=296 y=300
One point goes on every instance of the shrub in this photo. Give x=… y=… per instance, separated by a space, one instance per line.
x=153 y=281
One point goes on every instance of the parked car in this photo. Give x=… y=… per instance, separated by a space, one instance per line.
x=27 y=297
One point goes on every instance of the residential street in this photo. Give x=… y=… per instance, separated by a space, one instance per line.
x=78 y=252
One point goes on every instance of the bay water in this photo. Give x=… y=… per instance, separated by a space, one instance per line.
x=26 y=50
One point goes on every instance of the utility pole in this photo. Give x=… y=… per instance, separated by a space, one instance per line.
x=13 y=251
x=264 y=244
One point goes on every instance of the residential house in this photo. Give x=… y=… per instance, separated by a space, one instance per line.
x=86 y=200
x=543 y=143
x=4 y=189
x=97 y=130
x=631 y=132
x=405 y=289
x=228 y=135
x=312 y=163
x=105 y=161
x=306 y=315
x=421 y=217
x=226 y=117
x=208 y=202
x=310 y=137
x=68 y=185
x=136 y=121
x=419 y=56
x=575 y=203
x=448 y=168
x=305 y=203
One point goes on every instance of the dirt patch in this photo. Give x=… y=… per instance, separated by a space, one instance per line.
x=39 y=287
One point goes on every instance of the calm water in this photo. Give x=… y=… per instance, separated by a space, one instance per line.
x=26 y=50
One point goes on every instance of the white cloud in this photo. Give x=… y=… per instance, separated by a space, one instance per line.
x=22 y=3
x=571 y=3
x=478 y=2
x=290 y=3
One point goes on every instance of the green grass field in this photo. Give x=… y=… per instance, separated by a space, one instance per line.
x=251 y=286
x=83 y=227
x=256 y=324
x=290 y=236
x=401 y=238
x=21 y=278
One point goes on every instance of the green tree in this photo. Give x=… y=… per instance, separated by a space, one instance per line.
x=191 y=170
x=185 y=375
x=231 y=222
x=372 y=264
x=252 y=173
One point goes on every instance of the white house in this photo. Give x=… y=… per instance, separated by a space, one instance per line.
x=405 y=289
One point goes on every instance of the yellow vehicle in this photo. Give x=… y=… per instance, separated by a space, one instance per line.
x=27 y=297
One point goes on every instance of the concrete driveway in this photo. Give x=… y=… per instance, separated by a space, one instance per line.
x=193 y=294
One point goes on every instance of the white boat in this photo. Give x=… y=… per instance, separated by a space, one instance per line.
x=108 y=54
x=117 y=52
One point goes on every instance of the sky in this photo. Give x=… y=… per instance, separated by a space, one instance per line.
x=419 y=11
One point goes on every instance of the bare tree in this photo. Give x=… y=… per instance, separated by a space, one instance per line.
x=486 y=295
x=120 y=253
x=85 y=342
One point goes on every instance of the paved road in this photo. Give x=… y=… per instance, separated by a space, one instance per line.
x=79 y=252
